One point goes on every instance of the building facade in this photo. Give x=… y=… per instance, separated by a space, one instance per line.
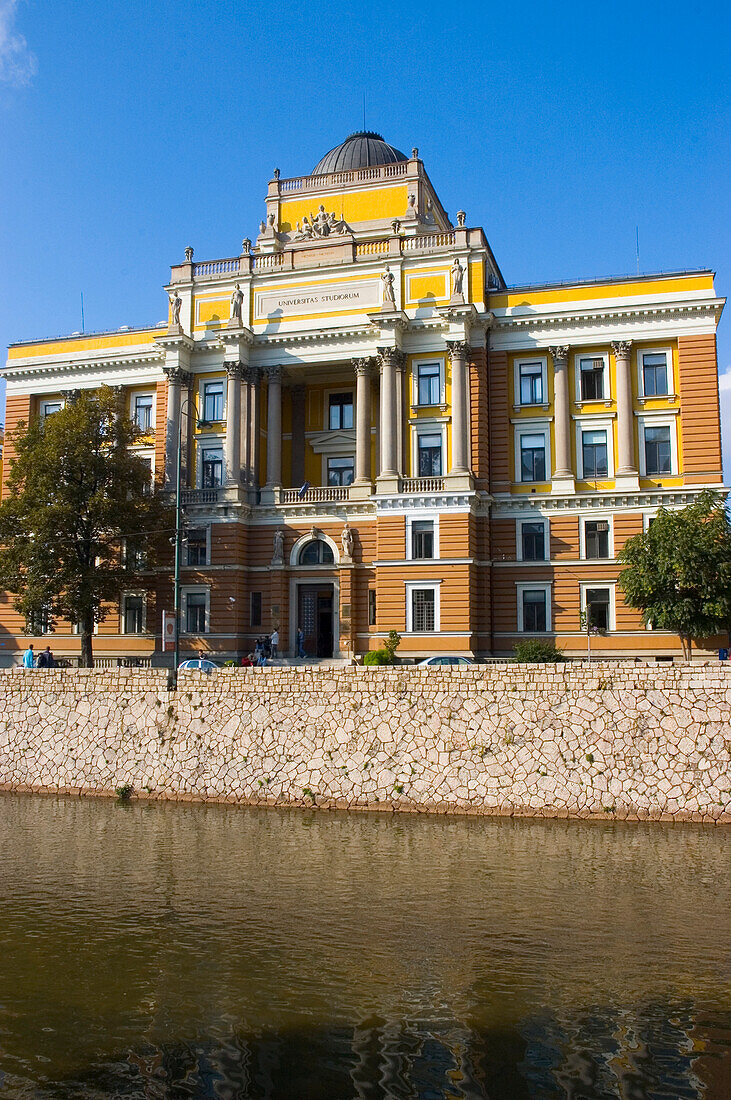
x=374 y=432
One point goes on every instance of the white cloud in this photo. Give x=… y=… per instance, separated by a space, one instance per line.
x=18 y=65
x=724 y=386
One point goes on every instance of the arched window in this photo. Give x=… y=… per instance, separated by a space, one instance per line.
x=316 y=552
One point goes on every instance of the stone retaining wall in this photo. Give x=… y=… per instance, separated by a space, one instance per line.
x=618 y=740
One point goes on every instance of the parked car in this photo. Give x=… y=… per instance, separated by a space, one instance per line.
x=432 y=662
x=200 y=666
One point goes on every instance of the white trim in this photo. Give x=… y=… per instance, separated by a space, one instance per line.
x=519 y=537
x=611 y=585
x=203 y=381
x=189 y=590
x=123 y=612
x=326 y=459
x=411 y=587
x=427 y=427
x=203 y=526
x=594 y=424
x=422 y=361
x=658 y=420
x=599 y=518
x=55 y=401
x=532 y=427
x=588 y=354
x=302 y=542
x=533 y=586
x=133 y=397
x=209 y=443
x=640 y=374
x=420 y=517
x=327 y=394
x=523 y=360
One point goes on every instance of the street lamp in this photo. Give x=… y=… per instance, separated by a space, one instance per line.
x=178 y=526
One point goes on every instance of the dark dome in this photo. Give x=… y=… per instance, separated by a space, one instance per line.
x=361 y=150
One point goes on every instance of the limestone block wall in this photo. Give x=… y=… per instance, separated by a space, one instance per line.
x=615 y=740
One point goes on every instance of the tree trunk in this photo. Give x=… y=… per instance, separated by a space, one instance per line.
x=86 y=630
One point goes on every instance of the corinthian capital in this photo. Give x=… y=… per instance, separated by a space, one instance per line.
x=458 y=349
x=274 y=374
x=176 y=376
x=621 y=349
x=234 y=368
x=559 y=354
x=392 y=357
x=363 y=366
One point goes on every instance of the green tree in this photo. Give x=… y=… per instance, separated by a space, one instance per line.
x=678 y=572
x=78 y=495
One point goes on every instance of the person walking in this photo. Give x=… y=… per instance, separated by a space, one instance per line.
x=274 y=642
x=300 y=642
x=45 y=659
x=29 y=657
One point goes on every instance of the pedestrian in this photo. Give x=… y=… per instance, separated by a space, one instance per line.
x=45 y=659
x=246 y=661
x=300 y=642
x=274 y=642
x=201 y=655
x=29 y=657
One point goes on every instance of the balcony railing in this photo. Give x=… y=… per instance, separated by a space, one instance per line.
x=421 y=485
x=319 y=494
x=199 y=496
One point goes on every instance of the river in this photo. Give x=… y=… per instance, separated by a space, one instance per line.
x=152 y=950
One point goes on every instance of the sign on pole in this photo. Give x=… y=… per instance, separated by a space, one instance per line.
x=168 y=630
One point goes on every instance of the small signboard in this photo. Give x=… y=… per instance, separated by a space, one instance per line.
x=168 y=630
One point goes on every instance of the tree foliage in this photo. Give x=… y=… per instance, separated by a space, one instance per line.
x=534 y=651
x=678 y=572
x=78 y=494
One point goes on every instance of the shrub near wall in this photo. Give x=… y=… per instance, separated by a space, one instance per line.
x=603 y=740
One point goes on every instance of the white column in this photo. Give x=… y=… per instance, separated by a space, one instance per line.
x=274 y=427
x=234 y=372
x=626 y=463
x=245 y=429
x=400 y=378
x=388 y=360
x=563 y=475
x=254 y=425
x=362 y=369
x=459 y=351
x=175 y=377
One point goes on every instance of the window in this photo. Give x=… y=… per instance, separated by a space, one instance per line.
x=594 y=454
x=533 y=457
x=429 y=384
x=597 y=607
x=591 y=375
x=213 y=401
x=341 y=411
x=133 y=614
x=371 y=607
x=422 y=609
x=255 y=609
x=530 y=381
x=532 y=608
x=196 y=542
x=39 y=621
x=147 y=459
x=533 y=540
x=340 y=471
x=142 y=414
x=48 y=408
x=422 y=538
x=658 y=452
x=596 y=538
x=430 y=455
x=211 y=467
x=654 y=371
x=134 y=556
x=316 y=552
x=195 y=612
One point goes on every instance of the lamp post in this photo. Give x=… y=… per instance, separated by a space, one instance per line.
x=178 y=527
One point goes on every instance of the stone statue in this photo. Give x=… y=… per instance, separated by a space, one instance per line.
x=278 y=555
x=303 y=233
x=346 y=541
x=395 y=226
x=461 y=218
x=237 y=299
x=320 y=223
x=388 y=295
x=276 y=173
x=415 y=153
x=189 y=255
x=246 y=246
x=337 y=225
x=270 y=221
x=457 y=279
x=176 y=302
x=262 y=227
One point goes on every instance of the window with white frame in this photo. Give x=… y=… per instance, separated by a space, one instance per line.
x=196 y=610
x=655 y=368
x=142 y=412
x=429 y=383
x=48 y=408
x=532 y=540
x=532 y=446
x=429 y=454
x=592 y=377
x=531 y=382
x=196 y=545
x=133 y=613
x=657 y=449
x=340 y=413
x=534 y=608
x=39 y=621
x=421 y=538
x=597 y=606
x=594 y=456
x=213 y=401
x=422 y=607
x=211 y=467
x=340 y=471
x=597 y=538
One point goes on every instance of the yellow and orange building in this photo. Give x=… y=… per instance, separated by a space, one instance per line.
x=376 y=433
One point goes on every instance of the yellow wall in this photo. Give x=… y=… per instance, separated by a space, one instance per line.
x=72 y=345
x=528 y=297
x=389 y=201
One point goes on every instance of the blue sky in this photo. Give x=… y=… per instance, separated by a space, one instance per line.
x=129 y=130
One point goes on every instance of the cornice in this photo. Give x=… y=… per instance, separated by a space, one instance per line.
x=637 y=501
x=34 y=370
x=570 y=319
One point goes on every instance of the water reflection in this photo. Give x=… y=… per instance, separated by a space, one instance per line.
x=172 y=951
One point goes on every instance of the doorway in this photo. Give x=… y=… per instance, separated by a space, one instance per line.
x=315 y=618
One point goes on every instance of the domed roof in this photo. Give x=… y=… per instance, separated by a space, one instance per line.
x=360 y=150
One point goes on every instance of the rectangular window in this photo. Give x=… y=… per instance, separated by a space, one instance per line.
x=533 y=541
x=430 y=455
x=255 y=609
x=132 y=619
x=143 y=412
x=591 y=372
x=340 y=471
x=196 y=543
x=213 y=401
x=596 y=538
x=422 y=539
x=531 y=383
x=195 y=613
x=422 y=609
x=658 y=455
x=39 y=622
x=532 y=458
x=594 y=454
x=371 y=607
x=48 y=408
x=429 y=384
x=134 y=556
x=534 y=609
x=341 y=411
x=211 y=468
x=597 y=608
x=654 y=373
x=147 y=459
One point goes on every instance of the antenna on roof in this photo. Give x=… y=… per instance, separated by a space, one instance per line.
x=637 y=246
x=82 y=311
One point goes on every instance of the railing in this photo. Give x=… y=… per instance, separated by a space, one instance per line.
x=429 y=240
x=318 y=495
x=270 y=259
x=123 y=662
x=421 y=485
x=371 y=248
x=199 y=496
x=216 y=267
x=335 y=179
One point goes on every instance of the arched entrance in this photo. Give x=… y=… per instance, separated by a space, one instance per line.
x=315 y=598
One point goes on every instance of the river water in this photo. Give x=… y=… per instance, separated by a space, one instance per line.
x=152 y=950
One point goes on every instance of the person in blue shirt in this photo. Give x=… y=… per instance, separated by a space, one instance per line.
x=29 y=657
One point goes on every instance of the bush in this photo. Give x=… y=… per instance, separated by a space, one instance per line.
x=391 y=644
x=378 y=657
x=534 y=651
